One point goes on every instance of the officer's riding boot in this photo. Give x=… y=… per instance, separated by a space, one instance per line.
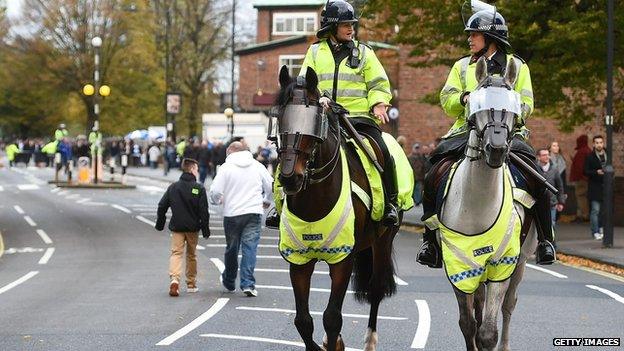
x=391 y=211
x=545 y=253
x=430 y=253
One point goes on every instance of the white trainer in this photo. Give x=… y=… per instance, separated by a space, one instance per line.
x=250 y=292
x=598 y=236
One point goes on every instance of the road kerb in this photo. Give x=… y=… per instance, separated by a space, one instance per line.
x=1 y=245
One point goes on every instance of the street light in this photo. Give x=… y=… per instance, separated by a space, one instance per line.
x=229 y=113
x=96 y=90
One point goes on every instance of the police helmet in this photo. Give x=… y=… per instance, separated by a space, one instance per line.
x=336 y=11
x=491 y=24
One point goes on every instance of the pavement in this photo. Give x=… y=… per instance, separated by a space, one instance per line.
x=572 y=238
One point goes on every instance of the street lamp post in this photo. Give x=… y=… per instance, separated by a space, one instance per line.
x=607 y=240
x=97 y=43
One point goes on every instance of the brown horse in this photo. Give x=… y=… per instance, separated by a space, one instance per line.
x=311 y=177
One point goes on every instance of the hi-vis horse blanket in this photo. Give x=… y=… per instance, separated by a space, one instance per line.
x=490 y=256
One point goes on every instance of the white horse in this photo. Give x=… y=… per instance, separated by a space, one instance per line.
x=474 y=204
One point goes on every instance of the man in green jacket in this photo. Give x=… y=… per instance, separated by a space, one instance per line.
x=488 y=37
x=350 y=73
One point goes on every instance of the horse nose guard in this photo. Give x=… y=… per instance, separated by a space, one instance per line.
x=496 y=143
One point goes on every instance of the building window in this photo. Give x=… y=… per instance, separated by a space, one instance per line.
x=288 y=23
x=293 y=62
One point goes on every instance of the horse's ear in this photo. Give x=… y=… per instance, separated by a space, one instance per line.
x=311 y=79
x=481 y=70
x=511 y=73
x=284 y=77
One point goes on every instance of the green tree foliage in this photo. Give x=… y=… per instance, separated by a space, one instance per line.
x=564 y=43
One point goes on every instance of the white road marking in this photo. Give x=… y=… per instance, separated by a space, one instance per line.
x=121 y=208
x=1 y=188
x=30 y=221
x=400 y=281
x=148 y=213
x=62 y=193
x=18 y=282
x=28 y=186
x=150 y=188
x=14 y=250
x=259 y=245
x=547 y=271
x=46 y=256
x=265 y=340
x=83 y=200
x=609 y=293
x=55 y=190
x=280 y=287
x=46 y=239
x=73 y=196
x=195 y=323
x=219 y=264
x=216 y=228
x=199 y=247
x=349 y=315
x=145 y=220
x=96 y=204
x=424 y=324
x=18 y=209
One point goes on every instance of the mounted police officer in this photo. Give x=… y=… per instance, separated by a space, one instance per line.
x=488 y=37
x=350 y=74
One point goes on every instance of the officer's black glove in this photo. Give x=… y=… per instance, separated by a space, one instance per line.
x=206 y=233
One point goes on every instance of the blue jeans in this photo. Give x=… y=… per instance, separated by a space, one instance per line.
x=553 y=217
x=417 y=195
x=203 y=173
x=595 y=218
x=241 y=231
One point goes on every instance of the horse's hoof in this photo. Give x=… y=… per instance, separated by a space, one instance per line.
x=370 y=343
x=340 y=346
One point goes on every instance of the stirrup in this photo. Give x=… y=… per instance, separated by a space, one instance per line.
x=429 y=255
x=391 y=216
x=272 y=219
x=545 y=253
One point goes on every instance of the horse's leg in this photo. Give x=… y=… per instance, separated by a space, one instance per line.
x=467 y=322
x=509 y=304
x=300 y=280
x=479 y=305
x=340 y=274
x=488 y=332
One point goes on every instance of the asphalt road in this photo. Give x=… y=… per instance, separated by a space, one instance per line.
x=85 y=270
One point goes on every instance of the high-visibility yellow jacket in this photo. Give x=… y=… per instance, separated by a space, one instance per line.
x=50 y=148
x=180 y=148
x=357 y=89
x=11 y=150
x=462 y=79
x=60 y=134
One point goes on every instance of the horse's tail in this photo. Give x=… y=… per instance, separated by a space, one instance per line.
x=368 y=287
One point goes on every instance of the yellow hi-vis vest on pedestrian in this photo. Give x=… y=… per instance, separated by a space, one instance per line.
x=357 y=89
x=491 y=256
x=462 y=79
x=329 y=239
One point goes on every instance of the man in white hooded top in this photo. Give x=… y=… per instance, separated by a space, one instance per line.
x=243 y=187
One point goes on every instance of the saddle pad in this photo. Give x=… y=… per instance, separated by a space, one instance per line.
x=490 y=256
x=329 y=239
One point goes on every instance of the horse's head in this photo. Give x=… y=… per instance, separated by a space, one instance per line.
x=494 y=106
x=301 y=127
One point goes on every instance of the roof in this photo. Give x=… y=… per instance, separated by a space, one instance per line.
x=272 y=44
x=287 y=3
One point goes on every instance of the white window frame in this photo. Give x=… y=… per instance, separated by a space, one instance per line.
x=290 y=57
x=294 y=16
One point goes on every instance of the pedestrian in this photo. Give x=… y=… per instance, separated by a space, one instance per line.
x=556 y=157
x=154 y=154
x=578 y=178
x=170 y=156
x=189 y=207
x=243 y=187
x=549 y=170
x=594 y=170
x=204 y=158
x=418 y=162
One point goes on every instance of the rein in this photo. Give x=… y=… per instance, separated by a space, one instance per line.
x=313 y=173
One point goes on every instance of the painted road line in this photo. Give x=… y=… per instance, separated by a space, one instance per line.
x=259 y=245
x=148 y=213
x=73 y=196
x=55 y=190
x=199 y=247
x=95 y=204
x=219 y=264
x=609 y=293
x=46 y=256
x=28 y=186
x=316 y=313
x=121 y=208
x=195 y=323
x=1 y=188
x=280 y=287
x=46 y=239
x=63 y=193
x=265 y=340
x=13 y=250
x=399 y=281
x=18 y=282
x=145 y=220
x=424 y=324
x=30 y=221
x=547 y=271
x=83 y=200
x=18 y=209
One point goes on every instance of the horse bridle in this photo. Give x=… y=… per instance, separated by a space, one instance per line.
x=305 y=110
